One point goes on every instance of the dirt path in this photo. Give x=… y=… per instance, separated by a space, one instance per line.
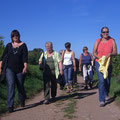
x=86 y=107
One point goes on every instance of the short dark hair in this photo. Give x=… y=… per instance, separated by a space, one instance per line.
x=67 y=45
x=15 y=33
x=104 y=28
x=85 y=48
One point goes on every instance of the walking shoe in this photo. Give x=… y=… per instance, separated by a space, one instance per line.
x=71 y=89
x=107 y=98
x=90 y=85
x=53 y=99
x=46 y=102
x=86 y=87
x=102 y=104
x=68 y=91
x=10 y=109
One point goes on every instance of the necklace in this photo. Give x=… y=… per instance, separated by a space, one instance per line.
x=15 y=50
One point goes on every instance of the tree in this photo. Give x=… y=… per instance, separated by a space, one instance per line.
x=1 y=46
x=33 y=56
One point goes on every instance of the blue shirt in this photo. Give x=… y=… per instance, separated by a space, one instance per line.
x=86 y=59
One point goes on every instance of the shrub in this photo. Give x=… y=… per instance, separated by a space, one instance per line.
x=33 y=84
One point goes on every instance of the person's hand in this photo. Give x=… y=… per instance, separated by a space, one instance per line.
x=74 y=68
x=24 y=70
x=108 y=55
x=80 y=69
x=61 y=72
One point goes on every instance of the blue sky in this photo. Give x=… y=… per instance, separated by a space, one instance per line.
x=76 y=21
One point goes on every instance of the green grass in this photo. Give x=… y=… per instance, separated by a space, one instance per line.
x=33 y=84
x=95 y=78
x=70 y=108
x=3 y=101
x=114 y=86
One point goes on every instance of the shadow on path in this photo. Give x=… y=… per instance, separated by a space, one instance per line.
x=30 y=106
x=75 y=95
x=112 y=99
x=63 y=98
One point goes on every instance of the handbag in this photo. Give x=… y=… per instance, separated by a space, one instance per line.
x=3 y=68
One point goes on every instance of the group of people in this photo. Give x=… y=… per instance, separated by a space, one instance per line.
x=55 y=67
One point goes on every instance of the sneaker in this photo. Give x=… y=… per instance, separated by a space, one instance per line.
x=107 y=98
x=68 y=91
x=10 y=109
x=46 y=102
x=102 y=104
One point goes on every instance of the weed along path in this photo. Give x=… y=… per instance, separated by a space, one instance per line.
x=78 y=105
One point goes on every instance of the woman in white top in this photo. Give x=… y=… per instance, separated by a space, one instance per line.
x=68 y=58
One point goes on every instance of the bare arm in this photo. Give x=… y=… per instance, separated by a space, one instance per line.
x=114 y=50
x=95 y=51
x=0 y=64
x=0 y=67
x=73 y=58
x=25 y=68
x=92 y=59
x=61 y=67
x=62 y=56
x=80 y=62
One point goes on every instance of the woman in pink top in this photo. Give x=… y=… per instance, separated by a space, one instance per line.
x=104 y=46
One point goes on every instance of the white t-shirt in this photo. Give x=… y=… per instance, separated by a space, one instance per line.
x=67 y=59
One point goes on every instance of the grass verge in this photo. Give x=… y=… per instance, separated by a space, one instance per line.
x=33 y=84
x=114 y=86
x=70 y=108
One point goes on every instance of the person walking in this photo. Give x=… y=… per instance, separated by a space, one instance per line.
x=61 y=80
x=85 y=65
x=76 y=72
x=104 y=47
x=68 y=59
x=17 y=58
x=51 y=65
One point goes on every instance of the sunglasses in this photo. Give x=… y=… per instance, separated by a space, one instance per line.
x=105 y=32
x=15 y=36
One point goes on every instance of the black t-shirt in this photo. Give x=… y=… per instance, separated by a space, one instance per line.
x=16 y=57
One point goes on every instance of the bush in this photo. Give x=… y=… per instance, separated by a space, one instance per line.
x=116 y=65
x=33 y=84
x=34 y=56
